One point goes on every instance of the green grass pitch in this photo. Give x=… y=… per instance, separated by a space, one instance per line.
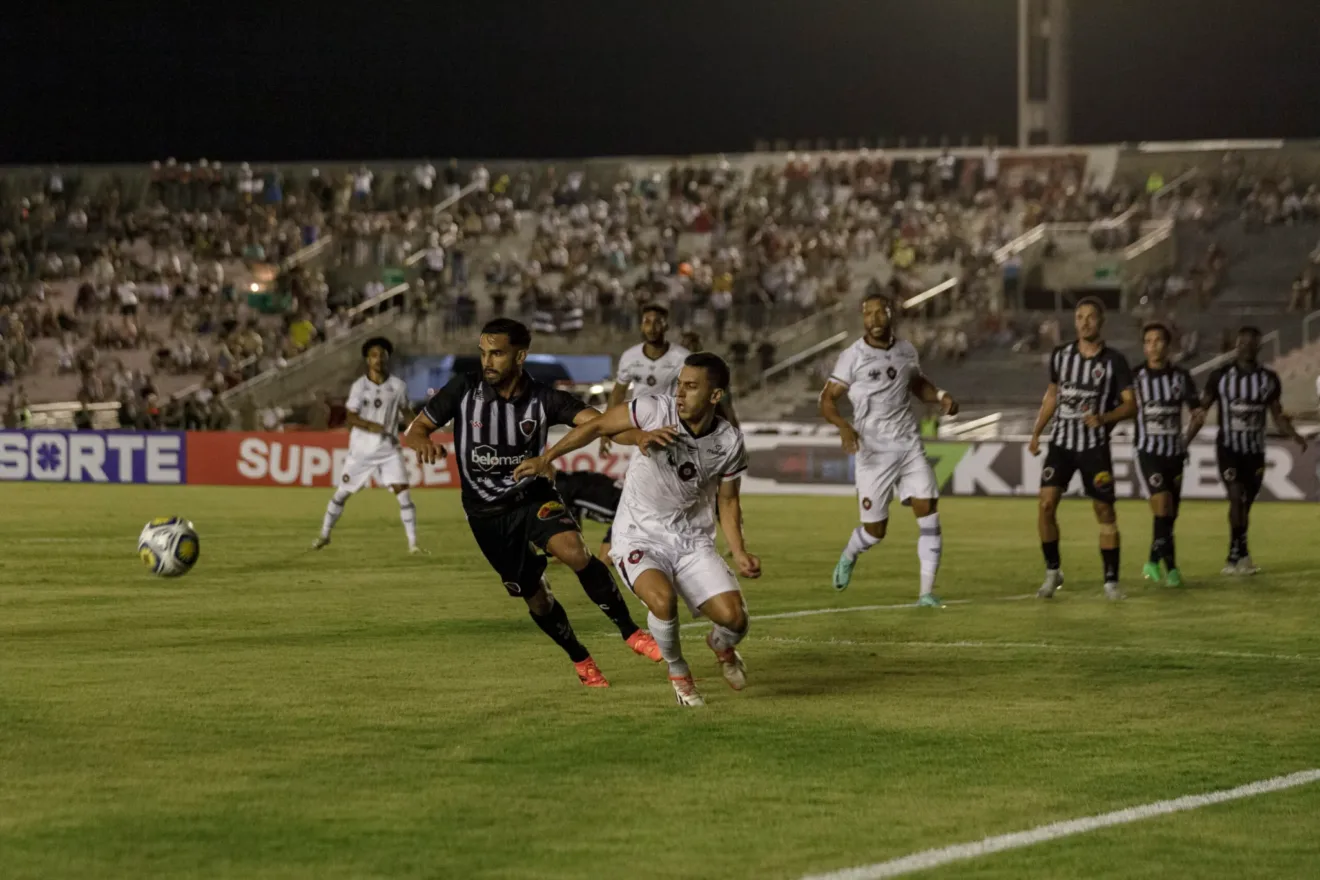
x=360 y=713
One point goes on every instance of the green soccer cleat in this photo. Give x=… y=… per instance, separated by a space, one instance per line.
x=1151 y=572
x=1174 y=579
x=930 y=600
x=843 y=573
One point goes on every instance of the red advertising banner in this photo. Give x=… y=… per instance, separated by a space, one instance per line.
x=304 y=458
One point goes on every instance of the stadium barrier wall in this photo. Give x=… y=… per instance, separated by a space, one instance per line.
x=778 y=464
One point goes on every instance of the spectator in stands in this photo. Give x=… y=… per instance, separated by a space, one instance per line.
x=1304 y=290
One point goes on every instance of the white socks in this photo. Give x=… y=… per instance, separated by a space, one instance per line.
x=930 y=545
x=723 y=638
x=408 y=513
x=333 y=511
x=665 y=633
x=859 y=543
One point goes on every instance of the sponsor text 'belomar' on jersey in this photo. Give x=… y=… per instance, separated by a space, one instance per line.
x=1244 y=398
x=1086 y=385
x=492 y=436
x=1161 y=396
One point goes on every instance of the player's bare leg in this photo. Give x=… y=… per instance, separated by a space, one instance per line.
x=598 y=583
x=657 y=593
x=1161 y=545
x=333 y=511
x=930 y=548
x=1109 y=546
x=550 y=616
x=728 y=613
x=1047 y=524
x=603 y=554
x=408 y=514
x=863 y=538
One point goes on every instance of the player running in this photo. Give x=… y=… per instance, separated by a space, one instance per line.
x=880 y=373
x=591 y=495
x=649 y=368
x=1090 y=391
x=1244 y=392
x=1162 y=391
x=375 y=403
x=664 y=542
x=500 y=419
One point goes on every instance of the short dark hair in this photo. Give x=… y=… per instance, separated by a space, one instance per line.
x=657 y=308
x=1162 y=328
x=713 y=364
x=377 y=342
x=519 y=335
x=1092 y=301
x=1249 y=330
x=882 y=297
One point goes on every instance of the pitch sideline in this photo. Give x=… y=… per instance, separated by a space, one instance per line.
x=934 y=858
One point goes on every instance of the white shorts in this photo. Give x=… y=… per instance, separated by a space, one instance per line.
x=879 y=472
x=385 y=464
x=698 y=572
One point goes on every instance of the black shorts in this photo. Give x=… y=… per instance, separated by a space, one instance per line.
x=1161 y=473
x=1244 y=468
x=510 y=537
x=609 y=535
x=1096 y=466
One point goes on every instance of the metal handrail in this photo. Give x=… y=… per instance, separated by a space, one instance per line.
x=1306 y=326
x=367 y=305
x=790 y=363
x=1227 y=357
x=416 y=256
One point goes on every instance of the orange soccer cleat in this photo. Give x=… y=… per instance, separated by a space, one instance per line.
x=643 y=643
x=590 y=675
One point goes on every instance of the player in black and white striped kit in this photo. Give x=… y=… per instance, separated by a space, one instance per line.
x=501 y=417
x=1244 y=392
x=1161 y=448
x=1090 y=391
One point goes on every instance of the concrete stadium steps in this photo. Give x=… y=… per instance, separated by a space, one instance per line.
x=1262 y=265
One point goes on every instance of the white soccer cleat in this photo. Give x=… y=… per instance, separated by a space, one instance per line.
x=1246 y=567
x=418 y=551
x=1053 y=580
x=1113 y=593
x=731 y=664
x=320 y=542
x=685 y=691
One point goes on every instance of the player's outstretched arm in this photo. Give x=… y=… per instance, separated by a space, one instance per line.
x=829 y=411
x=928 y=392
x=730 y=505
x=418 y=439
x=618 y=396
x=613 y=422
x=1285 y=423
x=1047 y=407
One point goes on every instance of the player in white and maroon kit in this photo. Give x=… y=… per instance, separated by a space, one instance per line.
x=880 y=375
x=375 y=404
x=664 y=531
x=649 y=368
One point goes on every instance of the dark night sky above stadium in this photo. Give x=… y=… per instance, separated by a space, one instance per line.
x=593 y=77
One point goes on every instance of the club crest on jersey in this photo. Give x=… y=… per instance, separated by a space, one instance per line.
x=1230 y=474
x=873 y=375
x=1156 y=480
x=527 y=426
x=866 y=504
x=376 y=403
x=635 y=557
x=550 y=510
x=687 y=470
x=1103 y=479
x=892 y=373
x=650 y=380
x=1098 y=373
x=1047 y=474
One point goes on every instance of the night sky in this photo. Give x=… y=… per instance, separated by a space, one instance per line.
x=488 y=78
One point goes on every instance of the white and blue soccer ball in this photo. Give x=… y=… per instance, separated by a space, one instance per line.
x=169 y=546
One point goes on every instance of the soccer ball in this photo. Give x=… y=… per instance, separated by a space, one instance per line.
x=169 y=546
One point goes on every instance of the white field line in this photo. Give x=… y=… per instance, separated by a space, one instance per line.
x=1042 y=646
x=812 y=612
x=934 y=858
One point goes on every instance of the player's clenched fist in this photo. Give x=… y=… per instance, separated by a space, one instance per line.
x=427 y=450
x=749 y=566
